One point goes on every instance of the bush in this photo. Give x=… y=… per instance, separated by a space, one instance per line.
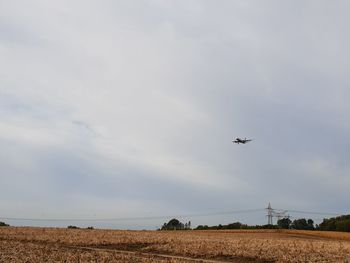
x=73 y=227
x=3 y=224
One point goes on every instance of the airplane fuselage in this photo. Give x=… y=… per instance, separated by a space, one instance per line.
x=239 y=140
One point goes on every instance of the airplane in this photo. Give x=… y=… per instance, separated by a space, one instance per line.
x=239 y=140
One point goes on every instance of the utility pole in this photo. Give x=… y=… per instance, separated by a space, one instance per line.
x=269 y=214
x=273 y=213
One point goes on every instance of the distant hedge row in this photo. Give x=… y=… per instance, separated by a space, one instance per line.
x=236 y=225
x=76 y=227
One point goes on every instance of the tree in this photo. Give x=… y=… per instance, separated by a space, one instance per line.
x=299 y=223
x=73 y=227
x=284 y=223
x=236 y=225
x=303 y=224
x=174 y=224
x=343 y=225
x=201 y=227
x=310 y=224
x=3 y=224
x=339 y=223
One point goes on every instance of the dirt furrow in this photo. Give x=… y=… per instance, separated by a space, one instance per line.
x=168 y=256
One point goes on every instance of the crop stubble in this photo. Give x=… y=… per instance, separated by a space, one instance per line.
x=24 y=244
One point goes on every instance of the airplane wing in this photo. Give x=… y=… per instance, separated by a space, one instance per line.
x=238 y=141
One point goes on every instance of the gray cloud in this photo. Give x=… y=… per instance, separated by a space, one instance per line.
x=121 y=109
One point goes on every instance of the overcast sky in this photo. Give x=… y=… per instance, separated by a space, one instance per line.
x=129 y=109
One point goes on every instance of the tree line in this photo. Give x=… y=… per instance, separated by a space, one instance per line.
x=340 y=223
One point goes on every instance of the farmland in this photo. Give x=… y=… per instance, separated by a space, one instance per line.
x=25 y=244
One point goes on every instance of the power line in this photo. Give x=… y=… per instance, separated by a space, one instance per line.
x=309 y=212
x=282 y=213
x=162 y=216
x=131 y=218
